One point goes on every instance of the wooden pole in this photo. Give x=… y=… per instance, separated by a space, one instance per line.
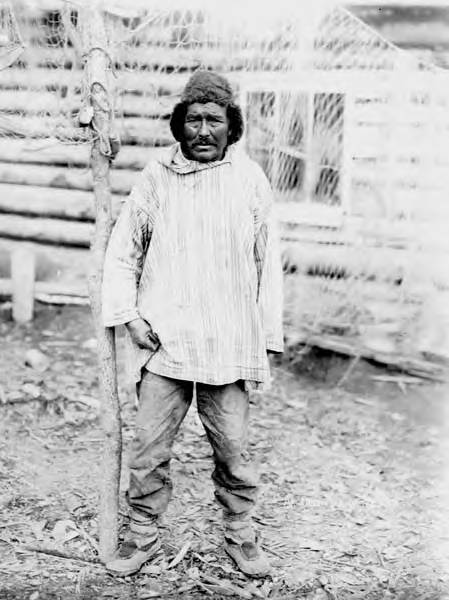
x=23 y=268
x=97 y=70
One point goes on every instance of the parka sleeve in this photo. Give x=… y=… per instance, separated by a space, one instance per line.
x=125 y=254
x=268 y=265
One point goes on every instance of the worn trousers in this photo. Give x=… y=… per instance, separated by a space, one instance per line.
x=223 y=411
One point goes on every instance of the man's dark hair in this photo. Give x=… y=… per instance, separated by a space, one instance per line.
x=233 y=112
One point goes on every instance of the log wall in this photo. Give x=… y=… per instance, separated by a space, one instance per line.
x=46 y=200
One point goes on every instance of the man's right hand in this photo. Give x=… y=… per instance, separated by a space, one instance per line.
x=142 y=334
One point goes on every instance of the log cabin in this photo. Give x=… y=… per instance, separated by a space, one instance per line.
x=350 y=126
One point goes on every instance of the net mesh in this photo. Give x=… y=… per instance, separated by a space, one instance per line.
x=349 y=129
x=11 y=45
x=41 y=92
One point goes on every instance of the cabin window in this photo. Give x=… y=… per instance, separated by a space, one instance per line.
x=297 y=138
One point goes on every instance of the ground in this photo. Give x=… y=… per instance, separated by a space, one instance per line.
x=354 y=485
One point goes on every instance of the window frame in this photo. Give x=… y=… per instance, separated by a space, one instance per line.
x=306 y=212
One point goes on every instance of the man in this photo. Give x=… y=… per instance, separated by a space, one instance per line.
x=193 y=271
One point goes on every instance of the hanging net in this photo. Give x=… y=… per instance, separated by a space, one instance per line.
x=351 y=131
x=11 y=45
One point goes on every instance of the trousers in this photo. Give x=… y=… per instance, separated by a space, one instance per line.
x=223 y=411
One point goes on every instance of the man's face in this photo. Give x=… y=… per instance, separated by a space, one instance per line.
x=206 y=130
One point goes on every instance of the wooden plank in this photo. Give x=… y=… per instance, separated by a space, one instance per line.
x=160 y=32
x=31 y=102
x=368 y=291
x=315 y=235
x=35 y=78
x=132 y=130
x=331 y=261
x=383 y=264
x=23 y=126
x=146 y=81
x=312 y=213
x=365 y=84
x=51 y=57
x=55 y=231
x=407 y=364
x=147 y=132
x=415 y=234
x=431 y=176
x=402 y=118
x=166 y=82
x=371 y=113
x=372 y=136
x=39 y=175
x=145 y=105
x=370 y=240
x=52 y=151
x=122 y=180
x=156 y=82
x=166 y=58
x=163 y=82
x=73 y=205
x=34 y=102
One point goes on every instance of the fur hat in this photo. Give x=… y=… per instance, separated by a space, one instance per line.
x=207 y=86
x=203 y=87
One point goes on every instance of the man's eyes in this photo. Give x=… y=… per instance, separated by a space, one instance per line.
x=208 y=119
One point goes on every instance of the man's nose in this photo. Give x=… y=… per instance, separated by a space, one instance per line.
x=204 y=128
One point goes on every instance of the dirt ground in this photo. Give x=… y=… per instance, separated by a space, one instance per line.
x=354 y=497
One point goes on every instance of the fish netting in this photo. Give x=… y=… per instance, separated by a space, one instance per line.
x=350 y=130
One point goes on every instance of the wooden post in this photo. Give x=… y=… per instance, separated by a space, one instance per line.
x=23 y=267
x=97 y=70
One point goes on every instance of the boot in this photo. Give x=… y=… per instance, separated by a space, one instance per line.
x=242 y=545
x=140 y=545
